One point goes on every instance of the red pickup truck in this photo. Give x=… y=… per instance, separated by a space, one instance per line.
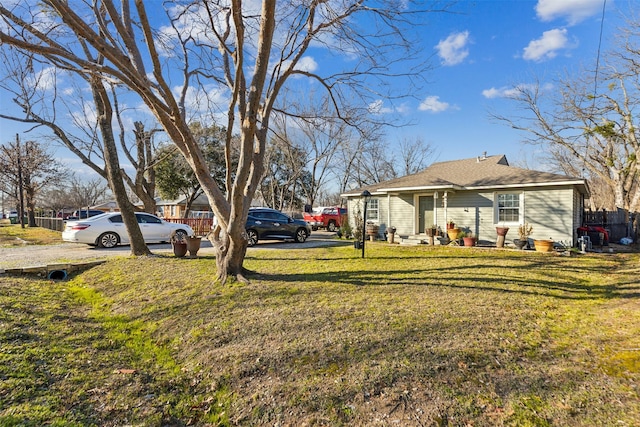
x=330 y=218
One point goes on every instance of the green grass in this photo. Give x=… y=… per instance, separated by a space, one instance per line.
x=408 y=336
x=15 y=235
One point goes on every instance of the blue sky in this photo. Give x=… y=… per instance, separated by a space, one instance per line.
x=479 y=51
x=488 y=48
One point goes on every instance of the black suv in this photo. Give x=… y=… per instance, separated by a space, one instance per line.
x=271 y=224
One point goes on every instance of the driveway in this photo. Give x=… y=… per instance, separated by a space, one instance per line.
x=31 y=255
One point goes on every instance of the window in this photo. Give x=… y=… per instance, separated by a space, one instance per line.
x=372 y=210
x=508 y=207
x=147 y=219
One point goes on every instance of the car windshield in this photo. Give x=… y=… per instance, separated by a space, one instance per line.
x=317 y=211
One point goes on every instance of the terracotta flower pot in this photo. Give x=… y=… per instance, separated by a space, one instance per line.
x=453 y=233
x=193 y=245
x=179 y=249
x=543 y=245
x=469 y=241
x=502 y=231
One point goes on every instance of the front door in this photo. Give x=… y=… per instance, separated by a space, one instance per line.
x=425 y=213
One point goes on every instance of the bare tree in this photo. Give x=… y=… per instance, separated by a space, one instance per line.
x=29 y=167
x=42 y=104
x=597 y=133
x=413 y=155
x=588 y=122
x=73 y=193
x=252 y=53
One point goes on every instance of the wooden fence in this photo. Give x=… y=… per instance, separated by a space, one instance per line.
x=200 y=226
x=620 y=223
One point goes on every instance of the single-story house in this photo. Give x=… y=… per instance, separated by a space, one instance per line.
x=175 y=208
x=478 y=194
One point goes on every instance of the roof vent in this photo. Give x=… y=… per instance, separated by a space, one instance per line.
x=484 y=157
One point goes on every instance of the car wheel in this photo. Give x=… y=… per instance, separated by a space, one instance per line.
x=331 y=226
x=301 y=235
x=252 y=237
x=108 y=240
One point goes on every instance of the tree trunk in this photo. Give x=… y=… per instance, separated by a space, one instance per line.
x=230 y=252
x=112 y=166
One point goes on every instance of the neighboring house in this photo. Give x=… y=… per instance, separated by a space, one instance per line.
x=175 y=208
x=478 y=194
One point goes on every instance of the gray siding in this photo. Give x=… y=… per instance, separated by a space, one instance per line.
x=402 y=214
x=550 y=212
x=471 y=211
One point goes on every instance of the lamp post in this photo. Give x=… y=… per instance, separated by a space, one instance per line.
x=367 y=196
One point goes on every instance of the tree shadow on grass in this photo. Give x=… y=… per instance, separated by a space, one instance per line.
x=476 y=277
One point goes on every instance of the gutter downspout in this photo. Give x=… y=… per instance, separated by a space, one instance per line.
x=389 y=210
x=444 y=203
x=435 y=208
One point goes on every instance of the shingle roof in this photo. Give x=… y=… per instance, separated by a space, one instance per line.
x=474 y=173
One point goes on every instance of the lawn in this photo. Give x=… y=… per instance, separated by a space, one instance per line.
x=15 y=235
x=411 y=336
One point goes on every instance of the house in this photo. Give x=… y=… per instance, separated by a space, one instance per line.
x=176 y=208
x=478 y=194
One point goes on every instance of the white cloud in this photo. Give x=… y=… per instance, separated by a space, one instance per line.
x=377 y=107
x=307 y=63
x=44 y=79
x=513 y=92
x=547 y=46
x=574 y=11
x=453 y=50
x=434 y=105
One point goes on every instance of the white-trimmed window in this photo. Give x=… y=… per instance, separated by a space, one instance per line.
x=508 y=207
x=372 y=210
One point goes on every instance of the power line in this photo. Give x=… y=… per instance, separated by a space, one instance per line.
x=595 y=81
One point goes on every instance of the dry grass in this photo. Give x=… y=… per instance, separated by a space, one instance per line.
x=15 y=235
x=408 y=336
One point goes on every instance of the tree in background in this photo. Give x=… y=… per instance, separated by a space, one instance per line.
x=74 y=193
x=37 y=168
x=174 y=176
x=285 y=177
x=414 y=156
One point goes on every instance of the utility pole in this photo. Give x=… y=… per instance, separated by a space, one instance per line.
x=20 y=189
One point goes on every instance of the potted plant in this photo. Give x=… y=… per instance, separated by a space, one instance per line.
x=372 y=230
x=357 y=230
x=431 y=231
x=468 y=238
x=453 y=232
x=451 y=225
x=502 y=233
x=179 y=244
x=193 y=245
x=524 y=231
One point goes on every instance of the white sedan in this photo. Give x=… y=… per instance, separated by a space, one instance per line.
x=108 y=230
